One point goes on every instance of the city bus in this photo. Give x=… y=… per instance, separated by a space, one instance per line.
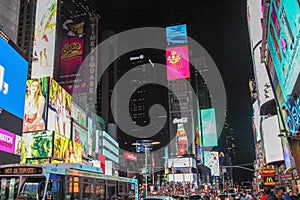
x=63 y=182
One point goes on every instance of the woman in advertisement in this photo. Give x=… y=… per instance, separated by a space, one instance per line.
x=34 y=107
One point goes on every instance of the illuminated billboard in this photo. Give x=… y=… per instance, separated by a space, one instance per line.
x=256 y=121
x=209 y=129
x=78 y=114
x=7 y=141
x=182 y=128
x=271 y=142
x=13 y=75
x=36 y=145
x=177 y=59
x=72 y=55
x=283 y=42
x=59 y=109
x=211 y=160
x=44 y=38
x=66 y=149
x=36 y=99
x=80 y=135
x=176 y=34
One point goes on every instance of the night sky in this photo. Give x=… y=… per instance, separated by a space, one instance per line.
x=221 y=28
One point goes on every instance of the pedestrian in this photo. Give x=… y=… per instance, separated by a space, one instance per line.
x=285 y=195
x=277 y=194
x=267 y=192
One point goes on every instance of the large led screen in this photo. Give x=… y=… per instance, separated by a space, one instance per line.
x=44 y=38
x=59 y=109
x=283 y=41
x=176 y=34
x=13 y=75
x=256 y=121
x=182 y=129
x=36 y=99
x=7 y=141
x=72 y=55
x=80 y=136
x=271 y=142
x=36 y=145
x=177 y=59
x=66 y=149
x=211 y=160
x=78 y=114
x=209 y=130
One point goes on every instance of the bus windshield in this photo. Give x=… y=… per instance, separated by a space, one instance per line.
x=33 y=188
x=9 y=187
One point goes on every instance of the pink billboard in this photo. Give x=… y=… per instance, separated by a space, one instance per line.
x=7 y=141
x=177 y=59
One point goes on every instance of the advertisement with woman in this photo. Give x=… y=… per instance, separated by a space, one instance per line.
x=59 y=109
x=35 y=102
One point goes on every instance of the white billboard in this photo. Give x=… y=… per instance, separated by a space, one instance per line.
x=256 y=121
x=271 y=142
x=44 y=38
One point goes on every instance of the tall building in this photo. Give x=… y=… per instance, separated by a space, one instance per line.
x=9 y=17
x=26 y=29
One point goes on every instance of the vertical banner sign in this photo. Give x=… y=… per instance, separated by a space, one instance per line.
x=177 y=59
x=209 y=129
x=92 y=63
x=44 y=38
x=71 y=56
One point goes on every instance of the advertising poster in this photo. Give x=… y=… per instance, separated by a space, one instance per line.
x=36 y=105
x=44 y=38
x=211 y=160
x=12 y=87
x=176 y=34
x=90 y=136
x=59 y=109
x=272 y=143
x=66 y=149
x=177 y=59
x=36 y=145
x=18 y=145
x=209 y=130
x=256 y=121
x=81 y=137
x=78 y=115
x=7 y=141
x=72 y=55
x=283 y=41
x=182 y=128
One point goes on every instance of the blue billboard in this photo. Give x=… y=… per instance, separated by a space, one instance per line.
x=283 y=41
x=13 y=76
x=176 y=34
x=209 y=129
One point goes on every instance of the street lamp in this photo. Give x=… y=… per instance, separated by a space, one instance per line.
x=146 y=148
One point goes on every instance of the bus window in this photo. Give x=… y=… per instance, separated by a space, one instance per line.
x=54 y=190
x=9 y=188
x=33 y=188
x=111 y=189
x=100 y=189
x=73 y=186
x=88 y=188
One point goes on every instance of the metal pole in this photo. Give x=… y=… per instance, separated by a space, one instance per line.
x=146 y=171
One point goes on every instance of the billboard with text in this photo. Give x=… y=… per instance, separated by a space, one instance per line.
x=177 y=59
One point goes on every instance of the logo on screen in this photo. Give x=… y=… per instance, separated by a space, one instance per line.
x=3 y=85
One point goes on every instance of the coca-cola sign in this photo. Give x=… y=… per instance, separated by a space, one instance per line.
x=180 y=121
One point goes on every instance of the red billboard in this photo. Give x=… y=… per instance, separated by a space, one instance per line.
x=177 y=60
x=130 y=156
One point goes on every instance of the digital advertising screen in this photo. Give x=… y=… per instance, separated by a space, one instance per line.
x=59 y=109
x=209 y=130
x=12 y=87
x=177 y=60
x=67 y=150
x=7 y=141
x=283 y=42
x=36 y=145
x=36 y=100
x=211 y=160
x=18 y=145
x=44 y=38
x=176 y=34
x=72 y=55
x=78 y=114
x=80 y=135
x=182 y=128
x=256 y=121
x=272 y=143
